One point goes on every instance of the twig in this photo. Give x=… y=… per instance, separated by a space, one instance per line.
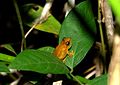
x=114 y=67
x=108 y=20
x=90 y=74
x=20 y=22
x=68 y=6
x=101 y=31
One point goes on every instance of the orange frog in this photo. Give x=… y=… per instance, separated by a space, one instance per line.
x=63 y=49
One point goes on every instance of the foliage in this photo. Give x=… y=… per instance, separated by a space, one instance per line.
x=79 y=25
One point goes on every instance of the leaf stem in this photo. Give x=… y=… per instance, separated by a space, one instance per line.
x=76 y=79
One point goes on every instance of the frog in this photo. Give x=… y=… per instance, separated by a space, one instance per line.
x=62 y=50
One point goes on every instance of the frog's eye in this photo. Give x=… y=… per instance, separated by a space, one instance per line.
x=67 y=43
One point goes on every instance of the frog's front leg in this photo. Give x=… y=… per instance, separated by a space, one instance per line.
x=70 y=54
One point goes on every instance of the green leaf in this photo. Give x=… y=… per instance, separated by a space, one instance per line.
x=3 y=67
x=115 y=5
x=81 y=79
x=47 y=48
x=8 y=47
x=102 y=80
x=80 y=26
x=7 y=58
x=33 y=11
x=39 y=61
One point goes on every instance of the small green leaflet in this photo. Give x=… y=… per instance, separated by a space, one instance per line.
x=32 y=12
x=8 y=47
x=3 y=67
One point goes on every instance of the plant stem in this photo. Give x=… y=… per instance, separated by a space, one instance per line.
x=20 y=22
x=12 y=76
x=101 y=32
x=76 y=79
x=100 y=28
